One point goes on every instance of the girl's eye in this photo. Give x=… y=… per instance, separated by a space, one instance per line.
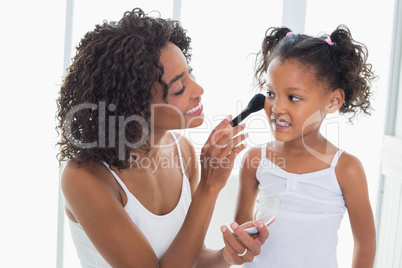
x=270 y=94
x=294 y=98
x=180 y=92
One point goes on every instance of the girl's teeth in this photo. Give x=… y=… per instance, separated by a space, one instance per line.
x=282 y=123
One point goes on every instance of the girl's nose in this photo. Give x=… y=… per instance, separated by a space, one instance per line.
x=278 y=107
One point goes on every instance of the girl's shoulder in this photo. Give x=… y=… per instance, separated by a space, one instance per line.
x=349 y=170
x=257 y=152
x=348 y=164
x=253 y=156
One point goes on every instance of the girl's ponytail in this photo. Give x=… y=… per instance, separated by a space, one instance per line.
x=272 y=38
x=354 y=73
x=337 y=60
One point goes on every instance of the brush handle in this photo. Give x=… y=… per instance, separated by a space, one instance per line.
x=240 y=117
x=235 y=121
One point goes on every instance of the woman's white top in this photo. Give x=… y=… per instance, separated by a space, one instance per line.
x=159 y=230
x=304 y=233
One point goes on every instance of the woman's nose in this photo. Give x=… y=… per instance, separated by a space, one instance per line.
x=197 y=90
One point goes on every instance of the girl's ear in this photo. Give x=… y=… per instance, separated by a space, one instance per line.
x=337 y=98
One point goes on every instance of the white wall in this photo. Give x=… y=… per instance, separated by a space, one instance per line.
x=31 y=67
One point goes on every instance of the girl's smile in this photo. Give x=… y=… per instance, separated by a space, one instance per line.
x=279 y=124
x=293 y=95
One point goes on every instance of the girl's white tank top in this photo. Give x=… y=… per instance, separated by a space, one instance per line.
x=304 y=233
x=160 y=230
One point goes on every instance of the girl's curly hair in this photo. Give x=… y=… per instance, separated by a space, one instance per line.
x=340 y=65
x=112 y=77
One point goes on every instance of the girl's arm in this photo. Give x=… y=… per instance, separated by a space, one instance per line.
x=353 y=182
x=248 y=188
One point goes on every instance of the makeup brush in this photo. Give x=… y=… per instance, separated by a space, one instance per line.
x=255 y=104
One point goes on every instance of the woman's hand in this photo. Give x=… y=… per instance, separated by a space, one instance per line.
x=243 y=247
x=219 y=152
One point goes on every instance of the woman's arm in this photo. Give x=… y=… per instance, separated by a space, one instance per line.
x=217 y=160
x=93 y=199
x=228 y=255
x=353 y=182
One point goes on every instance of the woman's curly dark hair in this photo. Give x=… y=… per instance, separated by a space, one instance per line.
x=341 y=65
x=112 y=78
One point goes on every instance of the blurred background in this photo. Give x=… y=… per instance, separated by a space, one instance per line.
x=38 y=40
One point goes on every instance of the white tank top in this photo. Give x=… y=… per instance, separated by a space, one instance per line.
x=304 y=233
x=159 y=230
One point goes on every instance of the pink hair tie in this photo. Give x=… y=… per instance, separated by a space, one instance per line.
x=288 y=34
x=329 y=41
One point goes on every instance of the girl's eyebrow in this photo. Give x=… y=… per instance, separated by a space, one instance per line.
x=289 y=89
x=295 y=89
x=177 y=77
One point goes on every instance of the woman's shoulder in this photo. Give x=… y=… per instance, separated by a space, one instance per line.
x=76 y=168
x=83 y=176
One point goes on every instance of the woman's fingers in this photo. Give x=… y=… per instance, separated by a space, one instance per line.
x=217 y=159
x=242 y=247
x=230 y=252
x=263 y=232
x=216 y=132
x=254 y=247
x=228 y=135
x=226 y=145
x=233 y=144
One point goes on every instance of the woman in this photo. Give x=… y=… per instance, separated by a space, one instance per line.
x=131 y=185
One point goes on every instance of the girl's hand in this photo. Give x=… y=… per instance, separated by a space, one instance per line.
x=244 y=247
x=219 y=152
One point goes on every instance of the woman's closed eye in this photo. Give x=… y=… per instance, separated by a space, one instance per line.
x=181 y=91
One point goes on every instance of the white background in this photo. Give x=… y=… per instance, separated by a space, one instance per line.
x=224 y=34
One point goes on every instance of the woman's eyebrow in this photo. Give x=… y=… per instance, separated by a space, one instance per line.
x=177 y=77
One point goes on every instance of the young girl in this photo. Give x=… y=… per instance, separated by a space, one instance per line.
x=305 y=79
x=131 y=187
